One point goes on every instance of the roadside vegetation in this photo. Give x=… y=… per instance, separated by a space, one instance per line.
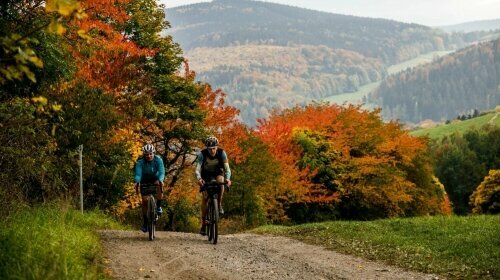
x=48 y=242
x=454 y=247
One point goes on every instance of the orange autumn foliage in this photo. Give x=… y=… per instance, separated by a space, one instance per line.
x=109 y=60
x=350 y=157
x=222 y=121
x=278 y=132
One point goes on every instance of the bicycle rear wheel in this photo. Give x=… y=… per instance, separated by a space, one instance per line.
x=151 y=215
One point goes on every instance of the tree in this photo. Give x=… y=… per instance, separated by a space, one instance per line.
x=351 y=160
x=462 y=161
x=21 y=24
x=486 y=198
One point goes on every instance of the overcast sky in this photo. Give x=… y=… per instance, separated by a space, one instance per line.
x=427 y=12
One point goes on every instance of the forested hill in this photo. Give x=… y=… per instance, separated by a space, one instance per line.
x=455 y=84
x=479 y=25
x=224 y=23
x=267 y=55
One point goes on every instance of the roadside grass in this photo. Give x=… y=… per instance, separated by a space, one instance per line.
x=50 y=242
x=453 y=247
x=458 y=126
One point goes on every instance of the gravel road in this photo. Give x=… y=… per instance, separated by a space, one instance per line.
x=175 y=255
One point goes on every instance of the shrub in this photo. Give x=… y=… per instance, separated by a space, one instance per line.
x=486 y=198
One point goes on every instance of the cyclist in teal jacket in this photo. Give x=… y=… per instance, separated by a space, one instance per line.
x=149 y=177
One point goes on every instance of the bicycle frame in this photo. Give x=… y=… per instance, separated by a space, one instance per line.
x=212 y=218
x=151 y=215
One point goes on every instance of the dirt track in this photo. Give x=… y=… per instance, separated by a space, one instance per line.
x=174 y=255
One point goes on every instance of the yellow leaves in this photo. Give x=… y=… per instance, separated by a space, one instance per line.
x=63 y=7
x=42 y=104
x=56 y=107
x=56 y=27
x=82 y=34
x=40 y=100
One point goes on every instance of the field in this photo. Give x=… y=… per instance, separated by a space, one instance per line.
x=454 y=247
x=421 y=59
x=457 y=126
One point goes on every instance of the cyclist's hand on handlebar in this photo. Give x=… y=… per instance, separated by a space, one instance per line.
x=201 y=182
x=137 y=188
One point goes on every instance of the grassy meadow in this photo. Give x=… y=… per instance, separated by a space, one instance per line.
x=453 y=247
x=457 y=126
x=52 y=243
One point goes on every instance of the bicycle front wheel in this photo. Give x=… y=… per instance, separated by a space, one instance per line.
x=214 y=221
x=151 y=215
x=209 y=220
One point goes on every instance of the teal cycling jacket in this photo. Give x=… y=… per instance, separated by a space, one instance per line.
x=147 y=172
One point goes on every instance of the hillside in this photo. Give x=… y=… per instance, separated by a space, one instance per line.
x=313 y=54
x=455 y=84
x=262 y=77
x=480 y=25
x=458 y=126
x=223 y=23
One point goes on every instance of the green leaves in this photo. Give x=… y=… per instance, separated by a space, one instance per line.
x=18 y=55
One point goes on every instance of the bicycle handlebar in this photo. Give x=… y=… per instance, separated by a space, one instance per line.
x=215 y=183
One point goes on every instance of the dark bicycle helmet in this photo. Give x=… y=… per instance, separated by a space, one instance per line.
x=148 y=148
x=212 y=141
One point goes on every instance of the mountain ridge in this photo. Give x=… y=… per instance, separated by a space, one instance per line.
x=470 y=26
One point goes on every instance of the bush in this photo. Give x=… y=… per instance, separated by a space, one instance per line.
x=486 y=198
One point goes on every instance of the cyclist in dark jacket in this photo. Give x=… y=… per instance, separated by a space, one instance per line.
x=149 y=177
x=212 y=163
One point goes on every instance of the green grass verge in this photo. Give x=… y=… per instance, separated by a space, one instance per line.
x=454 y=247
x=52 y=243
x=457 y=126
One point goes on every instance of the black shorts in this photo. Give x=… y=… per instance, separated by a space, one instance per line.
x=207 y=176
x=148 y=189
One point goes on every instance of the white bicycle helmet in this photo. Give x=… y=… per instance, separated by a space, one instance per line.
x=148 y=148
x=212 y=141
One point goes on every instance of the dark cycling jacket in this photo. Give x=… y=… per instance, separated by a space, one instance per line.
x=206 y=164
x=147 y=172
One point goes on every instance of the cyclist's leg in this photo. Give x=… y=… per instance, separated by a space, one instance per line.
x=159 y=192
x=204 y=198
x=144 y=211
x=159 y=197
x=220 y=179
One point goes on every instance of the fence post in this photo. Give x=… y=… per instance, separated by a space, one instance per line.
x=80 y=149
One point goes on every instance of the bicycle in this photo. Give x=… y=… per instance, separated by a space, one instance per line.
x=212 y=218
x=151 y=214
